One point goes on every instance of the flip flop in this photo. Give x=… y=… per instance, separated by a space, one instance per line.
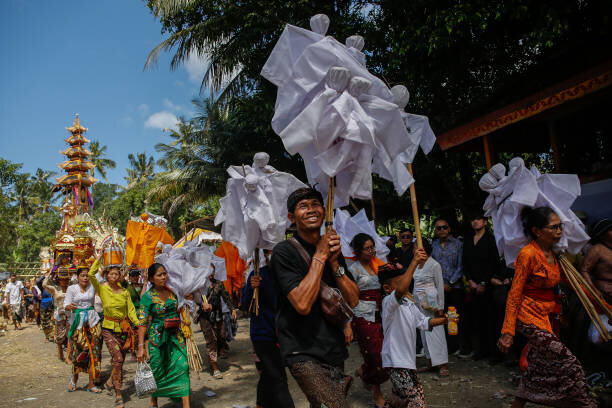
x=95 y=390
x=71 y=387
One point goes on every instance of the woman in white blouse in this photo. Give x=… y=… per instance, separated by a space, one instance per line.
x=367 y=323
x=85 y=331
x=428 y=293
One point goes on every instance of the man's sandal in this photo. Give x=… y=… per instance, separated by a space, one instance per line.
x=95 y=390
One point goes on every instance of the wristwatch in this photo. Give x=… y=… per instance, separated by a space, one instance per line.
x=339 y=272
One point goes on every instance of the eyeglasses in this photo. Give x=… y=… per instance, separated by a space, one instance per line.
x=441 y=227
x=369 y=249
x=556 y=227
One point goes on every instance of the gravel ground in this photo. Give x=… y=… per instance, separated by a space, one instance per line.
x=32 y=376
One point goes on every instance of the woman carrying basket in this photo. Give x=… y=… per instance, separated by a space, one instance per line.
x=167 y=351
x=116 y=330
x=85 y=332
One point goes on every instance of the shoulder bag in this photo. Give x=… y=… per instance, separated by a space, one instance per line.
x=334 y=308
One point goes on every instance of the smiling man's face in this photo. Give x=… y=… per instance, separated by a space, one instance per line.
x=308 y=214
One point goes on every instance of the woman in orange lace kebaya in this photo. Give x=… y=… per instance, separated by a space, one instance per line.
x=554 y=376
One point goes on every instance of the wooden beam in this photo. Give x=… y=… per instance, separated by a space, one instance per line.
x=576 y=87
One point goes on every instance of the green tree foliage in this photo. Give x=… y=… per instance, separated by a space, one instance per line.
x=456 y=58
x=27 y=217
x=141 y=170
x=97 y=158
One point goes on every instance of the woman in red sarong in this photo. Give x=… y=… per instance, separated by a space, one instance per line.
x=367 y=323
x=554 y=376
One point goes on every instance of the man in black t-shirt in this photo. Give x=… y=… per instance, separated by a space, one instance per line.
x=312 y=348
x=403 y=255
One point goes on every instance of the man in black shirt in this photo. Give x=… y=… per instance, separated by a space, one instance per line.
x=312 y=348
x=481 y=262
x=403 y=255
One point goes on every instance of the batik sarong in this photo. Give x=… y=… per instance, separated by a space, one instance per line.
x=322 y=384
x=114 y=343
x=86 y=351
x=406 y=390
x=17 y=312
x=554 y=376
x=61 y=331
x=214 y=336
x=47 y=322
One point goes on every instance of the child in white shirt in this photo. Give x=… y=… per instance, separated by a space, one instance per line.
x=401 y=318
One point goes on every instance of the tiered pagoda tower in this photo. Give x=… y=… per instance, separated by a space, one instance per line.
x=75 y=184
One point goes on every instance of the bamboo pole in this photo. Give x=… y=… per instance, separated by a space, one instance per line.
x=254 y=306
x=592 y=291
x=574 y=279
x=329 y=208
x=415 y=210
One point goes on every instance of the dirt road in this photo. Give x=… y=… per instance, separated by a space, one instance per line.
x=32 y=376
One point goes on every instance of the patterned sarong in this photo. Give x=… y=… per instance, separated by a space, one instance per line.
x=115 y=342
x=406 y=390
x=46 y=322
x=86 y=351
x=322 y=384
x=61 y=331
x=554 y=376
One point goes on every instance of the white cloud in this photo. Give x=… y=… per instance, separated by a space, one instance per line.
x=143 y=109
x=162 y=120
x=170 y=105
x=196 y=65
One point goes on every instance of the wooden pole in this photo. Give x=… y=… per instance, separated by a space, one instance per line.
x=255 y=301
x=415 y=210
x=487 y=151
x=373 y=209
x=329 y=208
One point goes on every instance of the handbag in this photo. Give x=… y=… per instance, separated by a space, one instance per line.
x=172 y=323
x=334 y=308
x=144 y=381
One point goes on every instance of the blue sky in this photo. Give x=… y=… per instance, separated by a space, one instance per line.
x=65 y=57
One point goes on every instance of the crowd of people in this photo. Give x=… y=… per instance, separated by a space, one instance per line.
x=396 y=312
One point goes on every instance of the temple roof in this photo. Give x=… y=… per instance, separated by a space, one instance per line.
x=76 y=126
x=75 y=151
x=76 y=178
x=71 y=165
x=77 y=139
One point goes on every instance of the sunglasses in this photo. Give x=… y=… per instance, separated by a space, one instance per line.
x=441 y=227
x=556 y=227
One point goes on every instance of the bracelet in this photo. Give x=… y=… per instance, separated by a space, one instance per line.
x=314 y=258
x=140 y=345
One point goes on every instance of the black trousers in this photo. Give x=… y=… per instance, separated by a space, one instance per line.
x=484 y=319
x=272 y=389
x=456 y=297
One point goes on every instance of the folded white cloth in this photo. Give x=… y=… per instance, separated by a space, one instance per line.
x=509 y=194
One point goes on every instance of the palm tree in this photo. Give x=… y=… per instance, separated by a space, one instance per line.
x=23 y=196
x=192 y=178
x=42 y=188
x=141 y=169
x=97 y=157
x=220 y=44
